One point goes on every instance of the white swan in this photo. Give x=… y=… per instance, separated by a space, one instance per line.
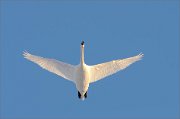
x=82 y=75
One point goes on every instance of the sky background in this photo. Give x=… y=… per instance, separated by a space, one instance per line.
x=111 y=30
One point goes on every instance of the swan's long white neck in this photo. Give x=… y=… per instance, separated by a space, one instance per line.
x=82 y=54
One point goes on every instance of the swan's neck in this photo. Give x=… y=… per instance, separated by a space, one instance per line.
x=82 y=54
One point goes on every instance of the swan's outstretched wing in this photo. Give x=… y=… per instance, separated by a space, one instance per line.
x=60 y=68
x=103 y=70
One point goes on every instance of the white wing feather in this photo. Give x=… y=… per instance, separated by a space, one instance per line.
x=103 y=70
x=60 y=68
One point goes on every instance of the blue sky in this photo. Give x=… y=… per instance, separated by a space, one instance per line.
x=111 y=30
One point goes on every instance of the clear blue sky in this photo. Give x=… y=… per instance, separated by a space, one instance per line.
x=111 y=30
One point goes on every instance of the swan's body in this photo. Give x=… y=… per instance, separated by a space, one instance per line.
x=82 y=75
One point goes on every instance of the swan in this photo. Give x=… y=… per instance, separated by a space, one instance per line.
x=82 y=74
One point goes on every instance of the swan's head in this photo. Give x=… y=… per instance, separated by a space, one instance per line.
x=82 y=43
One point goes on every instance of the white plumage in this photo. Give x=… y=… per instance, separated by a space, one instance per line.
x=60 y=68
x=82 y=74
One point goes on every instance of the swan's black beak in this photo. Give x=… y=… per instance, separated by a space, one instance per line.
x=82 y=43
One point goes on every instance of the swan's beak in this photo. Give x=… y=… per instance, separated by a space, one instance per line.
x=82 y=43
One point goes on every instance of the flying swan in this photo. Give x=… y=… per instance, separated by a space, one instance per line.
x=82 y=75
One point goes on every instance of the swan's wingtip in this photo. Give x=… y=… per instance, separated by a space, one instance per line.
x=141 y=54
x=26 y=54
